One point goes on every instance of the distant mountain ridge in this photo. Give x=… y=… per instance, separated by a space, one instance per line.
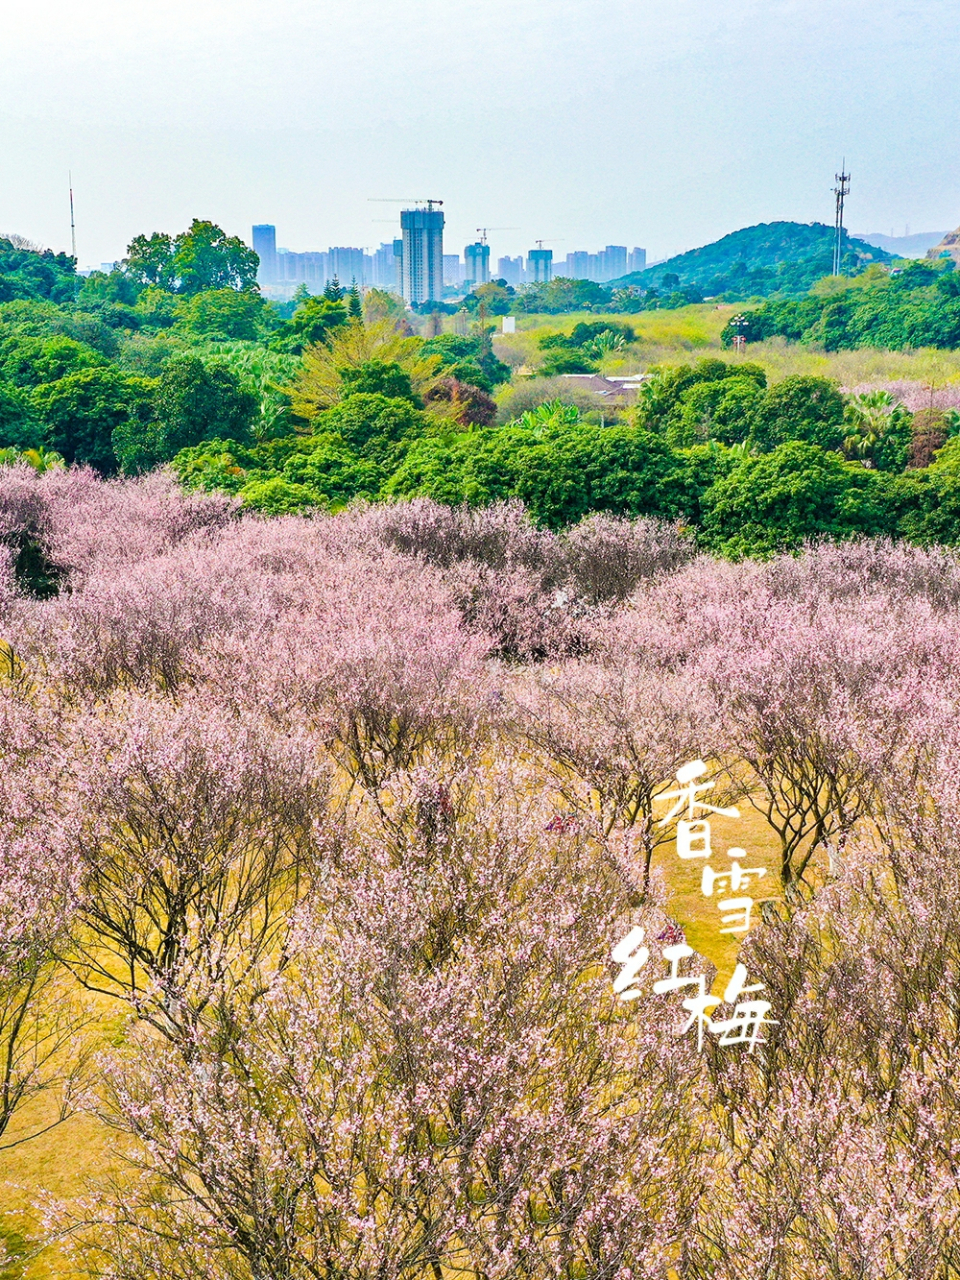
x=914 y=246
x=772 y=257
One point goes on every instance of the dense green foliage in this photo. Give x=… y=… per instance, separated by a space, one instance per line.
x=30 y=274
x=175 y=358
x=915 y=307
x=123 y=370
x=753 y=469
x=351 y=453
x=562 y=295
x=79 y=413
x=468 y=359
x=202 y=258
x=584 y=347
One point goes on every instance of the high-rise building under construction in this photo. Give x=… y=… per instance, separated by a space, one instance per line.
x=421 y=261
x=540 y=265
x=476 y=263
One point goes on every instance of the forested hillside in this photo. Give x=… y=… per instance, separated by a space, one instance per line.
x=773 y=257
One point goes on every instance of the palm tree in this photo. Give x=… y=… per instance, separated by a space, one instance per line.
x=868 y=417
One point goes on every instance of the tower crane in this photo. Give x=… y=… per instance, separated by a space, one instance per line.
x=482 y=231
x=399 y=200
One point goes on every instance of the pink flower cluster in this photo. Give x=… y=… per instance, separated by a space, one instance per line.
x=346 y=813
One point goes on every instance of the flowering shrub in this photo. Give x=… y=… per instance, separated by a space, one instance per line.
x=345 y=815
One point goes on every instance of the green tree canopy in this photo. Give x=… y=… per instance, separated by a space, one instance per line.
x=281 y=476
x=204 y=257
x=19 y=428
x=312 y=322
x=562 y=472
x=149 y=260
x=469 y=359
x=28 y=361
x=81 y=412
x=114 y=287
x=379 y=377
x=801 y=408
x=225 y=314
x=560 y=295
x=27 y=272
x=662 y=396
x=371 y=423
x=777 y=501
x=722 y=410
x=193 y=401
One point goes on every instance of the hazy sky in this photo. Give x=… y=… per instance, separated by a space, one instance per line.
x=662 y=123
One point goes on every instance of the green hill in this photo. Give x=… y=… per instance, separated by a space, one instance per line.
x=35 y=274
x=774 y=257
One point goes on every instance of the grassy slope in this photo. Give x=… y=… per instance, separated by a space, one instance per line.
x=690 y=333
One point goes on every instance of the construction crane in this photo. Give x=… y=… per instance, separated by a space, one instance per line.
x=397 y=200
x=482 y=231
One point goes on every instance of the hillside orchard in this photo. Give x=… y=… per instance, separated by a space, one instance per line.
x=347 y=656
x=316 y=837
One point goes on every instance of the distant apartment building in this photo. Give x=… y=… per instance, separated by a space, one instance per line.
x=609 y=264
x=511 y=270
x=452 y=270
x=303 y=268
x=416 y=266
x=476 y=263
x=383 y=268
x=345 y=263
x=577 y=265
x=265 y=247
x=398 y=264
x=612 y=262
x=637 y=261
x=540 y=266
x=421 y=259
x=348 y=266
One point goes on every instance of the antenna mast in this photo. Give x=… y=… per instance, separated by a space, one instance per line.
x=73 y=227
x=841 y=191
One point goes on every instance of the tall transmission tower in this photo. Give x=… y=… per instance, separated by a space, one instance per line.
x=841 y=191
x=73 y=225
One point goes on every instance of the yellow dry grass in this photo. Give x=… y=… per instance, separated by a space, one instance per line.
x=690 y=333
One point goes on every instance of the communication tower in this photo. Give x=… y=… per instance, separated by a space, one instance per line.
x=73 y=225
x=841 y=191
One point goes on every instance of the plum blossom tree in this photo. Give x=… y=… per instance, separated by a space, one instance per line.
x=840 y=1140
x=437 y=1081
x=198 y=836
x=610 y=734
x=288 y=790
x=37 y=883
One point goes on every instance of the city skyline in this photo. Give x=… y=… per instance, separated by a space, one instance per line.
x=383 y=268
x=677 y=123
